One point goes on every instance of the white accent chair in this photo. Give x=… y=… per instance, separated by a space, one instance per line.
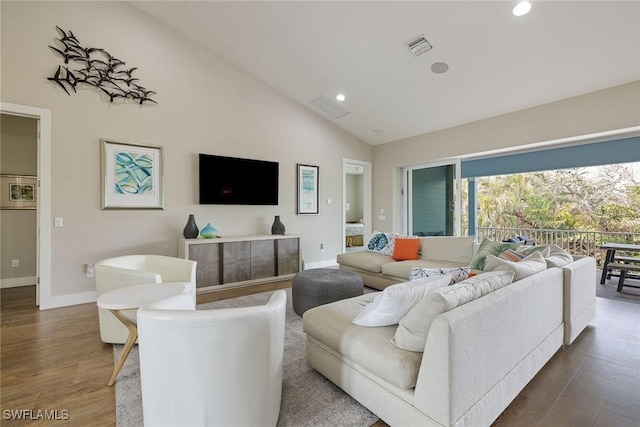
x=218 y=367
x=129 y=270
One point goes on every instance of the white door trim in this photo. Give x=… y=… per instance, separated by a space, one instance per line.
x=43 y=262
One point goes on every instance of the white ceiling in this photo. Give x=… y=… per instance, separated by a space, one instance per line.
x=498 y=62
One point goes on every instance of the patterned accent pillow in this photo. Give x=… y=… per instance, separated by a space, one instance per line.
x=511 y=255
x=528 y=266
x=458 y=274
x=489 y=247
x=382 y=243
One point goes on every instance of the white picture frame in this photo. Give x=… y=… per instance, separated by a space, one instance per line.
x=132 y=175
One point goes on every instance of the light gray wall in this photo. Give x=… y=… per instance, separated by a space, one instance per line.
x=205 y=105
x=605 y=110
x=18 y=156
x=354 y=197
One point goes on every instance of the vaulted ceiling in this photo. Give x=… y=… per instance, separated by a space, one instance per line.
x=497 y=62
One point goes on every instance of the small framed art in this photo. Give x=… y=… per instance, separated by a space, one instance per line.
x=308 y=197
x=132 y=176
x=18 y=192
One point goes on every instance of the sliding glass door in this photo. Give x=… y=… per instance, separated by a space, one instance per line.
x=432 y=199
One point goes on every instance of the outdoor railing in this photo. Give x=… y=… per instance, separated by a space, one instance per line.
x=576 y=242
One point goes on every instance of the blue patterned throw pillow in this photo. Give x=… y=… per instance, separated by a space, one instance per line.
x=381 y=243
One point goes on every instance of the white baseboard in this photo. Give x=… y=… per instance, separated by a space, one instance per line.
x=66 y=300
x=320 y=264
x=15 y=282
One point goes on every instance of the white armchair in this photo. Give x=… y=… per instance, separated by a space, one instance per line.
x=211 y=367
x=129 y=270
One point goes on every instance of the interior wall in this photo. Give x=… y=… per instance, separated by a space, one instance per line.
x=354 y=197
x=604 y=110
x=205 y=105
x=18 y=156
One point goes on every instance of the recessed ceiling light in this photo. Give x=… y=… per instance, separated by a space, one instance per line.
x=439 y=67
x=522 y=8
x=340 y=97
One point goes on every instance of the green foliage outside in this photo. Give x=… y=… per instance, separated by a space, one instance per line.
x=605 y=199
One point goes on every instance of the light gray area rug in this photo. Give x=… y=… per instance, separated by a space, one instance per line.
x=308 y=399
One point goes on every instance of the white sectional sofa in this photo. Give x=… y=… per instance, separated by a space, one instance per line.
x=380 y=271
x=477 y=358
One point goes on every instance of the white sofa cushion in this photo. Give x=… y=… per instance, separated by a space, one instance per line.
x=392 y=304
x=362 y=260
x=369 y=348
x=527 y=266
x=413 y=328
x=447 y=248
x=557 y=257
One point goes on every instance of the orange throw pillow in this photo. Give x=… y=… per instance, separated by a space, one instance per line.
x=406 y=249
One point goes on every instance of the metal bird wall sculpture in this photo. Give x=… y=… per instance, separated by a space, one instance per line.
x=97 y=68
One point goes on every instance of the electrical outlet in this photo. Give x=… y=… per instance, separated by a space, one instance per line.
x=89 y=270
x=15 y=263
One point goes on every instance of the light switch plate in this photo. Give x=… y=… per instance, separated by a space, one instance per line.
x=58 y=222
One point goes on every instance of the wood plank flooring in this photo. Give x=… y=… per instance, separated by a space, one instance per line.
x=53 y=360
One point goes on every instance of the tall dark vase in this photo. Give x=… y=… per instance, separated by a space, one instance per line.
x=191 y=229
x=278 y=226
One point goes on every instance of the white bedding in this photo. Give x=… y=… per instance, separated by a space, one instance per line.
x=354 y=229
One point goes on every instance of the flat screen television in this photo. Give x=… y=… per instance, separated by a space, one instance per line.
x=236 y=181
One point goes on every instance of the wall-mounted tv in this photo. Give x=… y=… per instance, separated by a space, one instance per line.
x=236 y=181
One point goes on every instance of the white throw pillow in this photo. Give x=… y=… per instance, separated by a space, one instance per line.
x=391 y=305
x=413 y=328
x=527 y=250
x=557 y=257
x=458 y=274
x=527 y=266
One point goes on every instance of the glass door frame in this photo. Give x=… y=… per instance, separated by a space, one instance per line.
x=407 y=183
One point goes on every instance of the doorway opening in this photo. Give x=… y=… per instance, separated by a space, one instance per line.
x=356 y=204
x=42 y=188
x=432 y=202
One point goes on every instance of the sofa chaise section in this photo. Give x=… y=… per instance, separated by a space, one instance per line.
x=476 y=360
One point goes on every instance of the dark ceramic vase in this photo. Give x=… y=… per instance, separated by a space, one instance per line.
x=191 y=229
x=278 y=226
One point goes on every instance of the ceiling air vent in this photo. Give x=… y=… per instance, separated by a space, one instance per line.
x=328 y=106
x=419 y=46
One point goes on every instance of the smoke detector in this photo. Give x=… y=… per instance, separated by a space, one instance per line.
x=419 y=46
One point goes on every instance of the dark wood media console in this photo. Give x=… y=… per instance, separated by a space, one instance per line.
x=232 y=262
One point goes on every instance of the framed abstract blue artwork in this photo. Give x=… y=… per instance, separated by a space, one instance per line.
x=132 y=176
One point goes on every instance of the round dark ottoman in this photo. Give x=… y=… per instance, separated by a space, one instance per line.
x=311 y=288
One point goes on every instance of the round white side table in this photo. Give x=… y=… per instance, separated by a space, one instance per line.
x=132 y=297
